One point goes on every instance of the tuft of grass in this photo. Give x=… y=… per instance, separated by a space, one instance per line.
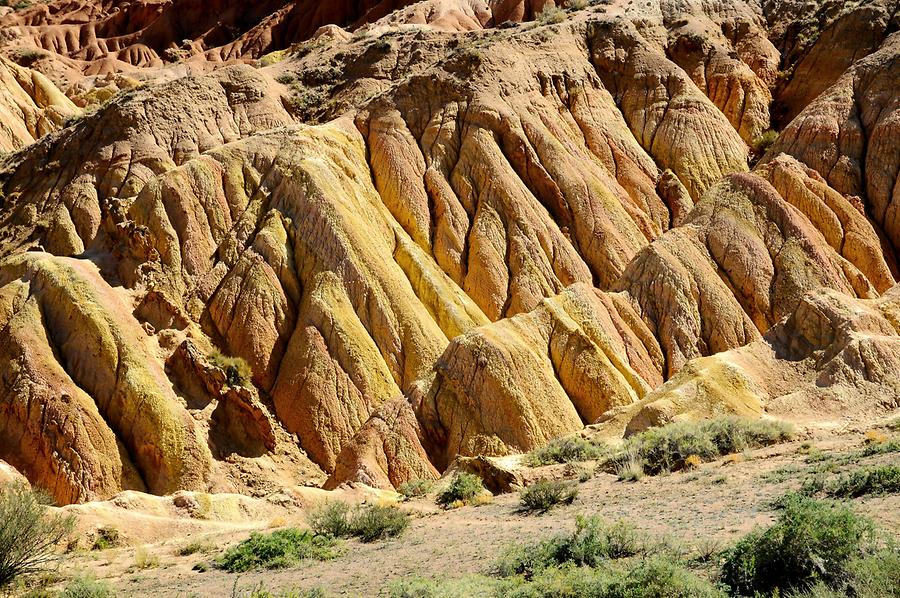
x=415 y=488
x=463 y=489
x=473 y=586
x=237 y=370
x=544 y=495
x=630 y=468
x=280 y=549
x=86 y=587
x=330 y=519
x=143 y=559
x=568 y=449
x=261 y=591
x=107 y=537
x=551 y=14
x=810 y=542
x=286 y=78
x=195 y=547
x=874 y=479
x=368 y=522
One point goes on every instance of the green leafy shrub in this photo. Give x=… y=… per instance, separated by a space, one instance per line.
x=374 y=522
x=654 y=577
x=667 y=448
x=591 y=544
x=545 y=494
x=237 y=370
x=876 y=479
x=462 y=489
x=280 y=549
x=86 y=587
x=367 y=522
x=475 y=586
x=330 y=519
x=29 y=534
x=415 y=488
x=810 y=542
x=569 y=449
x=881 y=448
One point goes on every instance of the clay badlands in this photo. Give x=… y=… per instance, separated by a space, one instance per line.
x=252 y=248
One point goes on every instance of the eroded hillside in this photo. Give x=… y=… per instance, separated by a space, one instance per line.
x=295 y=255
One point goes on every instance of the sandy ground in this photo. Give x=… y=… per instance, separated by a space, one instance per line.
x=720 y=501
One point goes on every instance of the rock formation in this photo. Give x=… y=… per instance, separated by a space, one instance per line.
x=333 y=242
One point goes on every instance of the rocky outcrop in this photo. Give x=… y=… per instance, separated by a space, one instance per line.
x=84 y=360
x=819 y=41
x=385 y=452
x=517 y=383
x=849 y=136
x=833 y=359
x=443 y=234
x=740 y=262
x=30 y=106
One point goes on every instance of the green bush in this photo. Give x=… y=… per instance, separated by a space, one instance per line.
x=107 y=537
x=569 y=449
x=764 y=142
x=881 y=448
x=260 y=591
x=654 y=577
x=86 y=587
x=330 y=519
x=415 y=488
x=876 y=479
x=667 y=448
x=591 y=544
x=462 y=489
x=551 y=14
x=280 y=549
x=237 y=371
x=367 y=522
x=475 y=586
x=29 y=535
x=545 y=494
x=876 y=575
x=375 y=522
x=810 y=542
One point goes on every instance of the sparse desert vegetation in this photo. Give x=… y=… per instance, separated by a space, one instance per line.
x=336 y=519
x=30 y=536
x=277 y=550
x=463 y=489
x=545 y=494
